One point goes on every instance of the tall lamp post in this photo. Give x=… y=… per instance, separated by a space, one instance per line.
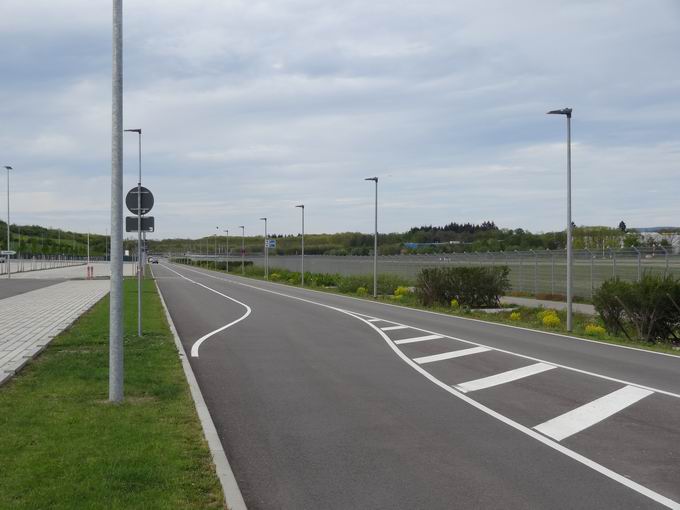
x=227 y=232
x=302 y=260
x=218 y=229
x=266 y=250
x=140 y=268
x=375 y=239
x=243 y=249
x=8 y=257
x=116 y=299
x=567 y=112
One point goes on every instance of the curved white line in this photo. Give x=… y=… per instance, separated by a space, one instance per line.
x=197 y=343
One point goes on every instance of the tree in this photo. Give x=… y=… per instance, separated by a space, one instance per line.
x=622 y=226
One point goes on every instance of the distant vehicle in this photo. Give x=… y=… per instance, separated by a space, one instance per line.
x=153 y=260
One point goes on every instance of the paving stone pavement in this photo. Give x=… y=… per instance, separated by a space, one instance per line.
x=28 y=322
x=101 y=270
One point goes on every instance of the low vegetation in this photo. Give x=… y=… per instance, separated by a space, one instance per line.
x=471 y=287
x=647 y=310
x=63 y=445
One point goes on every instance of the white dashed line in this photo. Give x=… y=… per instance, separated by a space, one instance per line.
x=503 y=377
x=394 y=328
x=418 y=339
x=450 y=355
x=591 y=413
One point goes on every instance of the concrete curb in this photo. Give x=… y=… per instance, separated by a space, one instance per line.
x=232 y=494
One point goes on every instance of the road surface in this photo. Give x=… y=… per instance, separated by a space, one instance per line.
x=324 y=401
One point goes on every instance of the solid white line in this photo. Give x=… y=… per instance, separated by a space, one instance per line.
x=539 y=360
x=641 y=489
x=591 y=413
x=503 y=377
x=450 y=355
x=230 y=489
x=418 y=339
x=371 y=320
x=394 y=328
x=197 y=343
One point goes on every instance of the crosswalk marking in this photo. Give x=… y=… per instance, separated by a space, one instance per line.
x=394 y=328
x=504 y=377
x=418 y=339
x=450 y=355
x=591 y=413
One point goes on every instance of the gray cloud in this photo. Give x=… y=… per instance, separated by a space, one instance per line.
x=249 y=107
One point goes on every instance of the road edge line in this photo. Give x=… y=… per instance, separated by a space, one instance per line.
x=230 y=489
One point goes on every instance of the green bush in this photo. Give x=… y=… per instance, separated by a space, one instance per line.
x=515 y=316
x=647 y=310
x=387 y=283
x=594 y=330
x=362 y=291
x=474 y=287
x=455 y=304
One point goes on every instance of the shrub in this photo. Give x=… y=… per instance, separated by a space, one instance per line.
x=455 y=304
x=515 y=316
x=361 y=291
x=402 y=291
x=647 y=310
x=473 y=287
x=594 y=330
x=544 y=313
x=551 y=320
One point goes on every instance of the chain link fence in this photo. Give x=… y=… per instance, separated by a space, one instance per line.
x=532 y=272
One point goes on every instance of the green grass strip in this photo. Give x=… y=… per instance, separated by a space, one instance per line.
x=64 y=446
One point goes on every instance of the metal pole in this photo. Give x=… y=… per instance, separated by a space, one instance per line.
x=535 y=272
x=375 y=239
x=139 y=241
x=116 y=300
x=639 y=268
x=218 y=228
x=592 y=282
x=302 y=260
x=266 y=250
x=227 y=250
x=570 y=276
x=8 y=258
x=243 y=249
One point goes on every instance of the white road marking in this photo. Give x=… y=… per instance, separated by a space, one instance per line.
x=503 y=377
x=197 y=343
x=375 y=320
x=613 y=475
x=450 y=355
x=394 y=328
x=418 y=339
x=591 y=413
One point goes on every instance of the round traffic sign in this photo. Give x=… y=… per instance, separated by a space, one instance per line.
x=146 y=200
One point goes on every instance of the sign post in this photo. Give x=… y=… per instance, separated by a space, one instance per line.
x=139 y=201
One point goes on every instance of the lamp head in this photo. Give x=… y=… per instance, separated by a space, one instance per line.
x=301 y=206
x=134 y=131
x=563 y=111
x=371 y=179
x=8 y=167
x=265 y=219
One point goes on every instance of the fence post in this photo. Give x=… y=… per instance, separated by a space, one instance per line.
x=521 y=271
x=613 y=262
x=639 y=269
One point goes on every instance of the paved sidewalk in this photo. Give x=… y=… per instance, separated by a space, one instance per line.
x=555 y=305
x=29 y=321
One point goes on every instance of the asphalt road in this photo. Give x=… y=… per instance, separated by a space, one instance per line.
x=16 y=286
x=323 y=401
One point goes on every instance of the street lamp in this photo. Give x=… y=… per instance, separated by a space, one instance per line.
x=375 y=239
x=243 y=249
x=8 y=258
x=266 y=251
x=567 y=112
x=227 y=231
x=302 y=262
x=218 y=229
x=140 y=268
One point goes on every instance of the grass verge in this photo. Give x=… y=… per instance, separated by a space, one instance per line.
x=64 y=446
x=528 y=316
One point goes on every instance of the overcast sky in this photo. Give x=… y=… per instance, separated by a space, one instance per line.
x=250 y=107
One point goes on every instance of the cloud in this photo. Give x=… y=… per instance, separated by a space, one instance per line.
x=249 y=107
